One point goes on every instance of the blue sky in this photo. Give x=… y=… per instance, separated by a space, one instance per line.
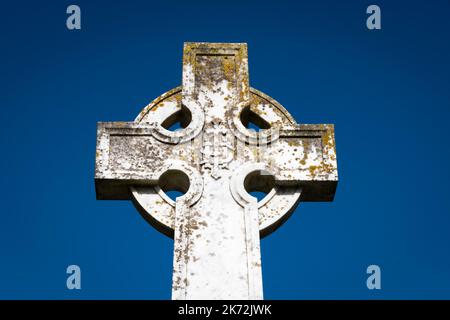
x=386 y=91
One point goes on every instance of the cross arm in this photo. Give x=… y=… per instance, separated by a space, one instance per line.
x=128 y=154
x=305 y=155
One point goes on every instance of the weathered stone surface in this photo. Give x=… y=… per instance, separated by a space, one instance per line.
x=216 y=160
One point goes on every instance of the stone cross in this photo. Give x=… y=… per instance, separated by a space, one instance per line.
x=216 y=161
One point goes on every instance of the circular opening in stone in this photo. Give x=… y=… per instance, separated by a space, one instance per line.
x=253 y=121
x=178 y=120
x=259 y=183
x=174 y=183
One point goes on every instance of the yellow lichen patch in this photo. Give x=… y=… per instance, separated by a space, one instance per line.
x=328 y=168
x=188 y=55
x=178 y=98
x=256 y=100
x=229 y=69
x=312 y=170
x=157 y=106
x=327 y=138
x=293 y=142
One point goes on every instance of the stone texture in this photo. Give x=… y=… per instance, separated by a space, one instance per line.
x=215 y=160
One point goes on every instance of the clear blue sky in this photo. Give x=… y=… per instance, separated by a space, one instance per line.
x=387 y=92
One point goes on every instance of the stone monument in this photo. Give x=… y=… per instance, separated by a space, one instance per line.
x=216 y=160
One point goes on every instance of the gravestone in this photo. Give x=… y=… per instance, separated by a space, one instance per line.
x=216 y=160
